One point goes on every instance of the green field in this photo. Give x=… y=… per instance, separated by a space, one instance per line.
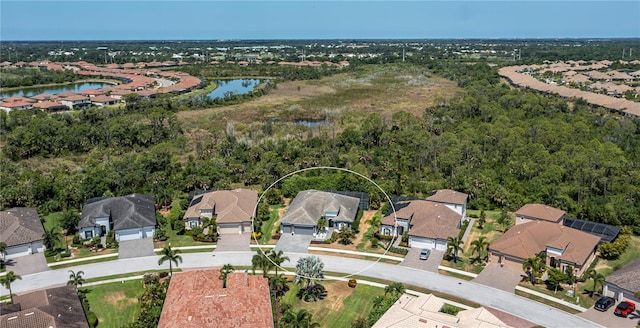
x=115 y=304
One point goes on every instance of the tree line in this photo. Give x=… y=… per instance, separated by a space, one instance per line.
x=504 y=147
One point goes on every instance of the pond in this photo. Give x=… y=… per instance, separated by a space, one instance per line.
x=234 y=87
x=54 y=89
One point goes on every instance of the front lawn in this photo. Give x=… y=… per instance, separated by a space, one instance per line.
x=341 y=306
x=583 y=294
x=115 y=304
x=269 y=227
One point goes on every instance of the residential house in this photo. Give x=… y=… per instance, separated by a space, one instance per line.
x=198 y=299
x=50 y=106
x=233 y=209
x=428 y=224
x=22 y=230
x=16 y=105
x=102 y=100
x=132 y=217
x=424 y=311
x=535 y=212
x=624 y=282
x=75 y=102
x=563 y=246
x=58 y=307
x=309 y=206
x=455 y=200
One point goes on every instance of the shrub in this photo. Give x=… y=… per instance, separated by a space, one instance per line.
x=256 y=235
x=65 y=253
x=374 y=243
x=614 y=249
x=334 y=236
x=378 y=236
x=398 y=250
x=76 y=240
x=352 y=283
x=92 y=319
x=450 y=309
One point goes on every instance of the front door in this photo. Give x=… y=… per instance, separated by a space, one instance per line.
x=552 y=262
x=103 y=230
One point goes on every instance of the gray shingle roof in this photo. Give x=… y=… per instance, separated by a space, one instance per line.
x=20 y=225
x=311 y=205
x=53 y=307
x=126 y=212
x=627 y=277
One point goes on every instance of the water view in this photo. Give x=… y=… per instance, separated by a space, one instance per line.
x=227 y=88
x=54 y=89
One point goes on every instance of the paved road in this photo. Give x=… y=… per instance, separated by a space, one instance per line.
x=501 y=300
x=163 y=82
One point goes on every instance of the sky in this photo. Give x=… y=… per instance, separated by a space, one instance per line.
x=25 y=20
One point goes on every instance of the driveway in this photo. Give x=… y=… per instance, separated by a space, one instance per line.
x=28 y=264
x=608 y=319
x=289 y=243
x=412 y=260
x=503 y=278
x=233 y=242
x=135 y=248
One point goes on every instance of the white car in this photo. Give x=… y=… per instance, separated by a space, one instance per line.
x=424 y=254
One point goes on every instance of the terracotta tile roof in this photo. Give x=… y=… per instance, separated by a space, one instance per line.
x=45 y=96
x=530 y=238
x=20 y=225
x=18 y=99
x=49 y=105
x=103 y=99
x=67 y=94
x=229 y=206
x=627 y=277
x=448 y=196
x=197 y=299
x=540 y=212
x=76 y=98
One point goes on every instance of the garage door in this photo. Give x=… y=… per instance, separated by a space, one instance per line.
x=301 y=230
x=128 y=235
x=228 y=229
x=441 y=245
x=17 y=251
x=421 y=243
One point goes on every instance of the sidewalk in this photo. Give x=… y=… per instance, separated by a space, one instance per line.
x=551 y=298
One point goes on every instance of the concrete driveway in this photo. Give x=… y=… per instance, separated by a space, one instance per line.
x=608 y=319
x=233 y=242
x=503 y=278
x=289 y=243
x=412 y=260
x=135 y=248
x=28 y=264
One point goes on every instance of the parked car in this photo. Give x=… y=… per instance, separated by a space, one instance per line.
x=624 y=308
x=604 y=303
x=424 y=254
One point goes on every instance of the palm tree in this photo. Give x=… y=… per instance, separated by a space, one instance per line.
x=479 y=246
x=308 y=270
x=322 y=224
x=224 y=272
x=298 y=319
x=531 y=266
x=277 y=258
x=454 y=245
x=396 y=289
x=3 y=253
x=279 y=285
x=75 y=278
x=261 y=261
x=171 y=255
x=7 y=280
x=50 y=237
x=598 y=278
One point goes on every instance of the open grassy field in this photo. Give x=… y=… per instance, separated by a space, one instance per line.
x=341 y=306
x=115 y=304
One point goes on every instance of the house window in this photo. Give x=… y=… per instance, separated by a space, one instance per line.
x=386 y=231
x=88 y=234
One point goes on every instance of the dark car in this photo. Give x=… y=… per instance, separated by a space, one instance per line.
x=624 y=309
x=604 y=303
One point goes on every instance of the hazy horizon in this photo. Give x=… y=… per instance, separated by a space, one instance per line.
x=316 y=20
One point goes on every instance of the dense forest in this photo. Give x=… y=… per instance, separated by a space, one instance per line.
x=503 y=146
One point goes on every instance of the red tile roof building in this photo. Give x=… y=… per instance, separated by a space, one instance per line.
x=197 y=299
